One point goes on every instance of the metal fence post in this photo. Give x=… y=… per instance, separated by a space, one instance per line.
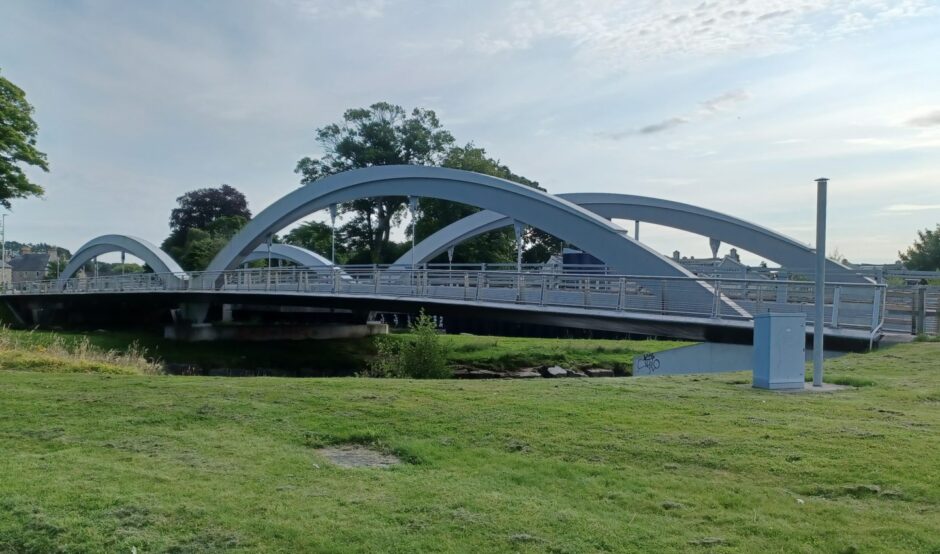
x=876 y=308
x=919 y=315
x=836 y=301
x=621 y=294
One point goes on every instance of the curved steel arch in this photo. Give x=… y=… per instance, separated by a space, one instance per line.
x=157 y=259
x=754 y=238
x=290 y=253
x=533 y=207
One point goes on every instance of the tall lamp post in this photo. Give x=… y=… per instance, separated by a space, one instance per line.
x=819 y=323
x=413 y=206
x=333 y=234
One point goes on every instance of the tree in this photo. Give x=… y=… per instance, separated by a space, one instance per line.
x=382 y=134
x=200 y=208
x=204 y=222
x=201 y=245
x=924 y=254
x=495 y=246
x=17 y=145
x=317 y=237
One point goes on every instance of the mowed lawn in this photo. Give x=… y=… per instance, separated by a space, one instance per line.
x=698 y=464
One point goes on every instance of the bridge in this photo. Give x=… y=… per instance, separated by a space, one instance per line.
x=636 y=289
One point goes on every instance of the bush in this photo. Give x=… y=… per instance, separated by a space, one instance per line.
x=421 y=355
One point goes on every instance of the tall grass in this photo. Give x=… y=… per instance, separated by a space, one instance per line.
x=53 y=353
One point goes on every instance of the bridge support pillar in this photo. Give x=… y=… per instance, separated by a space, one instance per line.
x=226 y=313
x=194 y=312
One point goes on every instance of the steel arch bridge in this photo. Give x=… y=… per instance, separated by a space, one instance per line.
x=641 y=284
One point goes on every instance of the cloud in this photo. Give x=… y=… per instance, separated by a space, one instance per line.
x=725 y=101
x=707 y=108
x=912 y=207
x=664 y=125
x=319 y=9
x=930 y=119
x=610 y=35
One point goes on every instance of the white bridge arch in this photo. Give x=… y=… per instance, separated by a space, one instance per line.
x=527 y=205
x=158 y=260
x=289 y=253
x=760 y=240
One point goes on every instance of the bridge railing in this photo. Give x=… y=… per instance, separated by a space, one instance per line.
x=848 y=305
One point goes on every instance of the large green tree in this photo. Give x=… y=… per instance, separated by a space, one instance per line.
x=495 y=246
x=382 y=134
x=924 y=254
x=386 y=134
x=17 y=145
x=317 y=237
x=203 y=222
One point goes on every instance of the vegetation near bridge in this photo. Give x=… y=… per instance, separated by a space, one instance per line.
x=98 y=463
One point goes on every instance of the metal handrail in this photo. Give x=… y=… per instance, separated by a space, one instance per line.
x=727 y=298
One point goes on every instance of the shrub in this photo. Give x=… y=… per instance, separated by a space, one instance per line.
x=420 y=355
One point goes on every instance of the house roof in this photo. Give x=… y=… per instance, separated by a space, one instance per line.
x=30 y=262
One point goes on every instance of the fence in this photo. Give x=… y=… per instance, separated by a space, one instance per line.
x=848 y=305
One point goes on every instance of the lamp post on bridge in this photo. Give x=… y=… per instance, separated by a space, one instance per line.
x=333 y=234
x=519 y=229
x=413 y=206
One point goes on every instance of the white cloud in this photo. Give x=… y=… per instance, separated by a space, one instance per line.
x=929 y=119
x=320 y=9
x=722 y=103
x=912 y=207
x=613 y=34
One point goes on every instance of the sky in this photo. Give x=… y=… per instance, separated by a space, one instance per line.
x=733 y=105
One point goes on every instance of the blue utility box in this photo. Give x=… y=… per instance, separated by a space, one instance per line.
x=779 y=351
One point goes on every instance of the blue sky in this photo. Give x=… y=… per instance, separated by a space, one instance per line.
x=735 y=105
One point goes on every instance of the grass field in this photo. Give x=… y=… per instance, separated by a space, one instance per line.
x=107 y=463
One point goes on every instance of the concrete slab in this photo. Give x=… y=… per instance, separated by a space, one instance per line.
x=808 y=388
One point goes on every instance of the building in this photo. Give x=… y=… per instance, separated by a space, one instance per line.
x=29 y=266
x=6 y=274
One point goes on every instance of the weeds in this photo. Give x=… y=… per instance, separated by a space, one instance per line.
x=53 y=353
x=422 y=356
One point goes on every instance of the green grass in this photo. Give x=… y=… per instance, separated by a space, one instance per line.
x=52 y=353
x=99 y=463
x=350 y=356
x=513 y=353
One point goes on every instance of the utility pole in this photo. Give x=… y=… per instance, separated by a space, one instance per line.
x=333 y=233
x=413 y=205
x=819 y=324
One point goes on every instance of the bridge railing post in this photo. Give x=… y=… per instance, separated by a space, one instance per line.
x=622 y=294
x=876 y=307
x=663 y=286
x=466 y=284
x=542 y=290
x=836 y=302
x=716 y=307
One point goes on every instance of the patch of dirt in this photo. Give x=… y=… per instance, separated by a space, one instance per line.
x=358 y=456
